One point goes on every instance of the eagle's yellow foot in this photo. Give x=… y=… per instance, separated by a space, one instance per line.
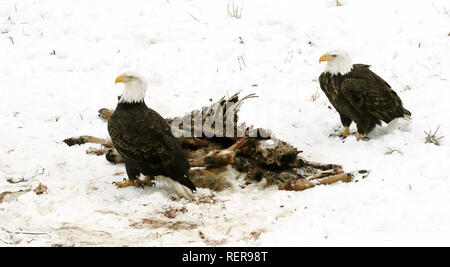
x=126 y=183
x=359 y=137
x=343 y=134
x=137 y=182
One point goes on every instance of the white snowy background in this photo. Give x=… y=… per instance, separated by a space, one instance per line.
x=59 y=60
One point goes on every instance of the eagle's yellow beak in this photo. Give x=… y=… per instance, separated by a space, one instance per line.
x=121 y=79
x=325 y=57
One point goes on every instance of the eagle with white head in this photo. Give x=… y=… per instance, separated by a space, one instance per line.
x=145 y=141
x=358 y=94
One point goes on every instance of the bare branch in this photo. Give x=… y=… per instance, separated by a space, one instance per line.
x=234 y=11
x=432 y=138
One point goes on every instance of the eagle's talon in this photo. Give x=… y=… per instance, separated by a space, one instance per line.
x=137 y=183
x=362 y=138
x=337 y=135
x=125 y=183
x=344 y=134
x=148 y=181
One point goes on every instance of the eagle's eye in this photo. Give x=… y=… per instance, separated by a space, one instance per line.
x=333 y=55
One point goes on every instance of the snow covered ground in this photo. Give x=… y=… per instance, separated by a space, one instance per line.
x=59 y=60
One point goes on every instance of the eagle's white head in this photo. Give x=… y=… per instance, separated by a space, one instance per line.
x=338 y=62
x=135 y=88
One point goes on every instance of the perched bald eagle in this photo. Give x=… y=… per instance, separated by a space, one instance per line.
x=358 y=94
x=145 y=142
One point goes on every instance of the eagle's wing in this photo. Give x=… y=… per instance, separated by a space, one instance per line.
x=138 y=140
x=168 y=149
x=369 y=93
x=149 y=145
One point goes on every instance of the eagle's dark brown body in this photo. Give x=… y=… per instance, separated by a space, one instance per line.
x=144 y=140
x=363 y=97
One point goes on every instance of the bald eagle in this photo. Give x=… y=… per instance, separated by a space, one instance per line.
x=145 y=142
x=358 y=94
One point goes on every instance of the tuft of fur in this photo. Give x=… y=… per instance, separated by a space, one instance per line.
x=180 y=190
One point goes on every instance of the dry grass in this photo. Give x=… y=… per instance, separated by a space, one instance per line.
x=241 y=61
x=433 y=138
x=289 y=56
x=442 y=11
x=315 y=96
x=233 y=10
x=192 y=16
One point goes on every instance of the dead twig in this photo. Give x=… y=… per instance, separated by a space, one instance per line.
x=445 y=11
x=241 y=61
x=289 y=56
x=315 y=96
x=40 y=189
x=24 y=232
x=423 y=66
x=13 y=181
x=4 y=194
x=234 y=11
x=432 y=138
x=193 y=17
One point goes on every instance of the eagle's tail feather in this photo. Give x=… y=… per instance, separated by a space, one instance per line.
x=181 y=190
x=406 y=114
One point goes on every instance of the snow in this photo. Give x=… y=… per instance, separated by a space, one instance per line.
x=59 y=62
